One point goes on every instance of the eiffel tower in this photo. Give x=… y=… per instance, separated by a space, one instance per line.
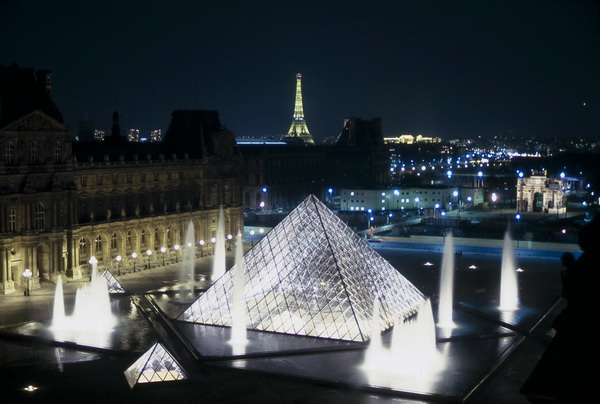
x=298 y=129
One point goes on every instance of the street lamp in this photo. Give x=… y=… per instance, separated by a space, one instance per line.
x=252 y=237
x=27 y=274
x=149 y=253
x=213 y=241
x=229 y=238
x=163 y=250
x=118 y=258
x=201 y=242
x=176 y=247
x=134 y=256
x=93 y=262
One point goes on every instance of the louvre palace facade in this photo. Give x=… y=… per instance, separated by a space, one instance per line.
x=62 y=201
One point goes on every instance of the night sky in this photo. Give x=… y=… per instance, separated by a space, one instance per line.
x=445 y=68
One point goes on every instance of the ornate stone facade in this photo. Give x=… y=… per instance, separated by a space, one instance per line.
x=540 y=193
x=62 y=202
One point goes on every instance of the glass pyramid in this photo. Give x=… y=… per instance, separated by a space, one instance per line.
x=114 y=286
x=155 y=365
x=312 y=275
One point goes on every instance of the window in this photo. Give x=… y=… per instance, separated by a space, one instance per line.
x=40 y=216
x=9 y=153
x=83 y=180
x=143 y=238
x=12 y=220
x=34 y=153
x=82 y=247
x=100 y=207
x=113 y=241
x=99 y=179
x=98 y=242
x=128 y=240
x=57 y=152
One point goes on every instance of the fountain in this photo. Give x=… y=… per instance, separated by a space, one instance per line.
x=413 y=341
x=58 y=313
x=92 y=313
x=509 y=289
x=188 y=256
x=446 y=284
x=238 y=310
x=219 y=257
x=412 y=353
x=375 y=354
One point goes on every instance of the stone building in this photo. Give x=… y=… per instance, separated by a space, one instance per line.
x=279 y=176
x=541 y=193
x=62 y=202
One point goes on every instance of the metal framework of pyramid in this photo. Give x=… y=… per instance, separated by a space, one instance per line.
x=155 y=365
x=312 y=275
x=114 y=286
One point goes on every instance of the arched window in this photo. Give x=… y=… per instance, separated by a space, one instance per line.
x=98 y=242
x=40 y=216
x=113 y=241
x=143 y=238
x=128 y=239
x=82 y=247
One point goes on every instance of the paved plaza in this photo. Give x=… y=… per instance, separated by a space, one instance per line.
x=65 y=372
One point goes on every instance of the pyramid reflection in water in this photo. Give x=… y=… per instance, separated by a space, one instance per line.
x=312 y=275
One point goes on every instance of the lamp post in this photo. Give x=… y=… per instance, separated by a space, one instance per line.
x=163 y=250
x=456 y=194
x=118 y=258
x=201 y=242
x=27 y=274
x=93 y=262
x=213 y=241
x=229 y=238
x=134 y=256
x=176 y=247
x=252 y=237
x=149 y=253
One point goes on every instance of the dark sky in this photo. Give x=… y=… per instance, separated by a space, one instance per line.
x=447 y=68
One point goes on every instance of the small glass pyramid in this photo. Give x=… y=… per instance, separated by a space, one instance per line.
x=312 y=275
x=155 y=365
x=114 y=286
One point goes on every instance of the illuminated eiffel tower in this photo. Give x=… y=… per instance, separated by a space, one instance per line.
x=298 y=129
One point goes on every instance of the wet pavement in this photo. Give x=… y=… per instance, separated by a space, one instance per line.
x=69 y=373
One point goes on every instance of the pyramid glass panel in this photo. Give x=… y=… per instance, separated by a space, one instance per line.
x=312 y=275
x=114 y=286
x=155 y=365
